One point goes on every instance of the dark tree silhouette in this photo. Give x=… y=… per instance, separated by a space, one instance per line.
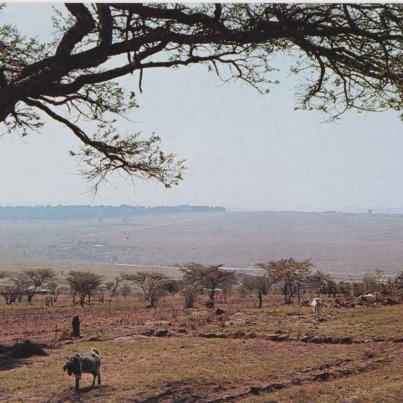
x=290 y=273
x=37 y=278
x=210 y=278
x=83 y=284
x=153 y=285
x=260 y=284
x=348 y=55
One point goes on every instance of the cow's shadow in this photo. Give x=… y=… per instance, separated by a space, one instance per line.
x=71 y=395
x=7 y=362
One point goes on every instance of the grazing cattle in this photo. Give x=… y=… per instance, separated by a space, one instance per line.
x=316 y=305
x=89 y=363
x=367 y=300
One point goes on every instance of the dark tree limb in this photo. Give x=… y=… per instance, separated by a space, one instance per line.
x=83 y=26
x=354 y=50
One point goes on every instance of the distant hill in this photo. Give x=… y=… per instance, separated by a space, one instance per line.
x=344 y=245
x=88 y=212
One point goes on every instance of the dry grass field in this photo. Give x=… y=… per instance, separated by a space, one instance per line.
x=170 y=354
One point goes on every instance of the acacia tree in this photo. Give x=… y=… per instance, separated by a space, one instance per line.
x=8 y=292
x=323 y=283
x=190 y=293
x=125 y=290
x=348 y=55
x=112 y=287
x=153 y=285
x=83 y=284
x=290 y=273
x=20 y=283
x=208 y=277
x=55 y=290
x=260 y=284
x=37 y=278
x=15 y=287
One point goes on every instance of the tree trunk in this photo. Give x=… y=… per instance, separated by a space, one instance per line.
x=153 y=302
x=211 y=302
x=298 y=294
x=260 y=295
x=285 y=292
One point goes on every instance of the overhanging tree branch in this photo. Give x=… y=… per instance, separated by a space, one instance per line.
x=349 y=54
x=142 y=158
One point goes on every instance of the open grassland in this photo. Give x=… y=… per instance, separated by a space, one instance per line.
x=244 y=354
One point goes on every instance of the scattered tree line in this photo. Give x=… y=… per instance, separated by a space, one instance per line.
x=99 y=212
x=289 y=277
x=26 y=283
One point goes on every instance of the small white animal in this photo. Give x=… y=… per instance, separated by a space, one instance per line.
x=367 y=300
x=316 y=305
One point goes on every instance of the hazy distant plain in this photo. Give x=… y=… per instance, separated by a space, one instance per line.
x=342 y=244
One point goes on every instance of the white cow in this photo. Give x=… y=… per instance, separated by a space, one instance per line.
x=367 y=300
x=316 y=305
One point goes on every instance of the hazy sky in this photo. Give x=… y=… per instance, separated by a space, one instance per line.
x=243 y=150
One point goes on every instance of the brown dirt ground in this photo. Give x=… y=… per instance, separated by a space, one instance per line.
x=236 y=363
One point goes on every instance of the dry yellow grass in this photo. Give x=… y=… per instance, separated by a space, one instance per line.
x=147 y=367
x=381 y=385
x=186 y=367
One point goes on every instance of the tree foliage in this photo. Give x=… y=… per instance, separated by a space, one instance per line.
x=190 y=293
x=55 y=289
x=125 y=290
x=36 y=278
x=260 y=284
x=25 y=283
x=84 y=284
x=322 y=283
x=8 y=293
x=348 y=55
x=20 y=283
x=153 y=285
x=208 y=277
x=290 y=273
